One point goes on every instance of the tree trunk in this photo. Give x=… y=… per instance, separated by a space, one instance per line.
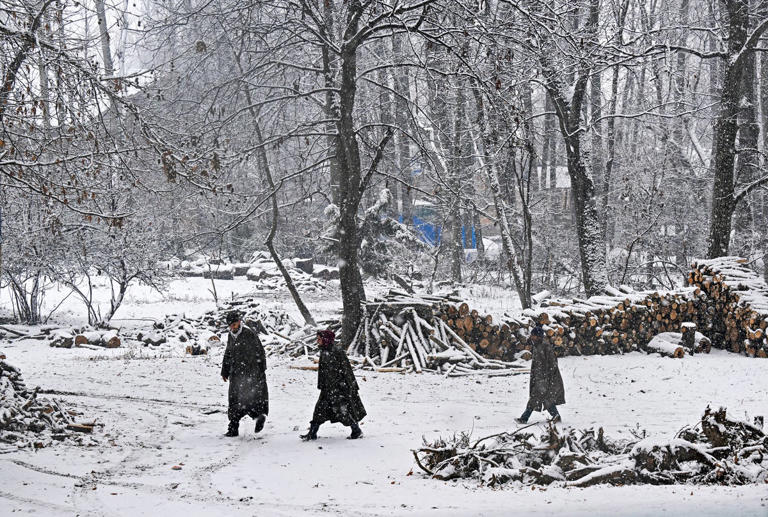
x=402 y=117
x=547 y=149
x=330 y=76
x=724 y=145
x=569 y=112
x=106 y=51
x=387 y=118
x=747 y=160
x=42 y=68
x=478 y=235
x=458 y=157
x=596 y=153
x=350 y=192
x=263 y=160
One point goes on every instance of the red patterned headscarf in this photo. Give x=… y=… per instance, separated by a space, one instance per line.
x=327 y=337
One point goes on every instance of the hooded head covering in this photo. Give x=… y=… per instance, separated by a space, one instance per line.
x=327 y=337
x=537 y=331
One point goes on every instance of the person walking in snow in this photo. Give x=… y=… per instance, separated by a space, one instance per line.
x=546 y=390
x=244 y=366
x=339 y=400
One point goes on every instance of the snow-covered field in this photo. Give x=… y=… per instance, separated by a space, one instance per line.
x=171 y=411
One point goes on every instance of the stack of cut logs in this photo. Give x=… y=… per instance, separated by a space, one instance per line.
x=622 y=322
x=405 y=331
x=737 y=312
x=402 y=333
x=726 y=305
x=479 y=331
x=29 y=421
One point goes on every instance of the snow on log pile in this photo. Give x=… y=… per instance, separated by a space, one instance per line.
x=723 y=452
x=192 y=335
x=443 y=334
x=27 y=421
x=262 y=271
x=195 y=335
x=623 y=321
x=737 y=315
x=85 y=337
x=409 y=332
x=404 y=333
x=673 y=344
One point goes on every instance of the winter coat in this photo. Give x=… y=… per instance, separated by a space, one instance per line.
x=339 y=400
x=546 y=388
x=244 y=365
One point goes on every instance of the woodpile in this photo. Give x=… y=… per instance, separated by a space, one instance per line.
x=412 y=333
x=401 y=333
x=194 y=336
x=210 y=329
x=722 y=452
x=737 y=313
x=86 y=338
x=677 y=344
x=621 y=322
x=196 y=350
x=418 y=332
x=27 y=421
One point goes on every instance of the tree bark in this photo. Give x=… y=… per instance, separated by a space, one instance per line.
x=596 y=152
x=402 y=118
x=106 y=51
x=458 y=157
x=350 y=192
x=747 y=159
x=330 y=76
x=569 y=113
x=724 y=146
x=548 y=144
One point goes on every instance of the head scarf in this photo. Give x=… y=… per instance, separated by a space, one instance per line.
x=327 y=337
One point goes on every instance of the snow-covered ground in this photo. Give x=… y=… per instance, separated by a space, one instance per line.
x=171 y=411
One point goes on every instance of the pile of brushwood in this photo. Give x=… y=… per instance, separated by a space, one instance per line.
x=29 y=421
x=193 y=334
x=717 y=450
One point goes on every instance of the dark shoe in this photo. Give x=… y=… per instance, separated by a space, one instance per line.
x=232 y=429
x=311 y=434
x=260 y=423
x=356 y=433
x=521 y=420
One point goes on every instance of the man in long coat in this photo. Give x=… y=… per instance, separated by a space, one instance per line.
x=244 y=366
x=339 y=400
x=546 y=390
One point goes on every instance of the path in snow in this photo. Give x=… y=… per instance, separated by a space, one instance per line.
x=164 y=412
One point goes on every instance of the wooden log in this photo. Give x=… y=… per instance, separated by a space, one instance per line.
x=688 y=331
x=666 y=346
